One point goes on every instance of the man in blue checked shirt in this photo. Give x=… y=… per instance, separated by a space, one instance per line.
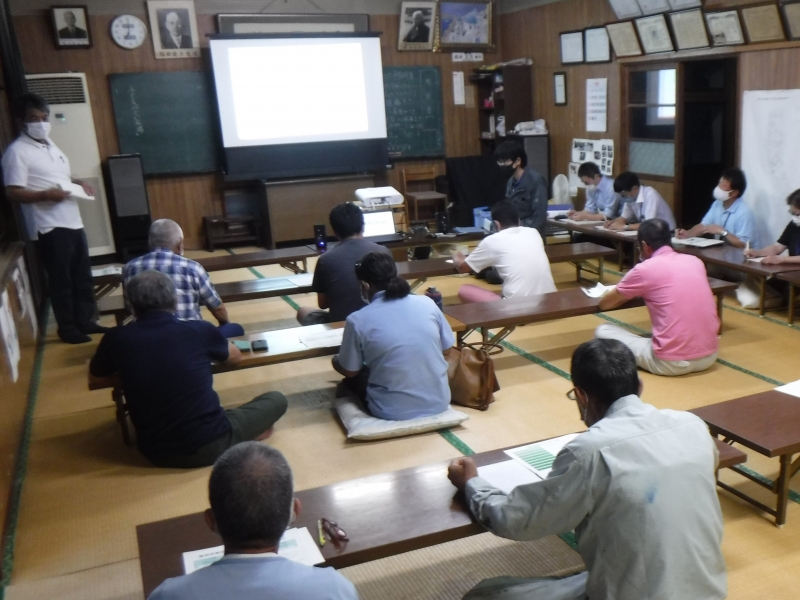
x=191 y=280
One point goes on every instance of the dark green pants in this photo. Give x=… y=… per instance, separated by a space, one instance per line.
x=247 y=423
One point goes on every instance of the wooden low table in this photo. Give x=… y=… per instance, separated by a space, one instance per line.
x=618 y=239
x=768 y=423
x=514 y=312
x=728 y=257
x=293 y=259
x=383 y=515
x=105 y=284
x=793 y=279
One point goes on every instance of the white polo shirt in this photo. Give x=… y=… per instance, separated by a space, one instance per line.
x=518 y=256
x=37 y=166
x=649 y=205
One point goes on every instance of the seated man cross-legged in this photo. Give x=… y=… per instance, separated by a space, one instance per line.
x=192 y=283
x=164 y=365
x=335 y=282
x=638 y=488
x=393 y=350
x=680 y=302
x=518 y=255
x=251 y=495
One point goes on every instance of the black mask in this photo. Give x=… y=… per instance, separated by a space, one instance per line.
x=508 y=171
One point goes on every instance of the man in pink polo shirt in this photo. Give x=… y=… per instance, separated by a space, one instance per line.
x=681 y=306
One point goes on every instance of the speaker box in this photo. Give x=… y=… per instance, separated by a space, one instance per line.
x=130 y=208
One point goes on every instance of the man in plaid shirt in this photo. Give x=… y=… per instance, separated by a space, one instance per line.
x=192 y=283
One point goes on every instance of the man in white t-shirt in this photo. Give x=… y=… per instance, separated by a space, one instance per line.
x=37 y=176
x=639 y=203
x=517 y=253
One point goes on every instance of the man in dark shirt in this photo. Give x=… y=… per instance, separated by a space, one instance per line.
x=526 y=188
x=335 y=281
x=164 y=366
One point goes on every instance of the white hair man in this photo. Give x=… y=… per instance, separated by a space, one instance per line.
x=191 y=280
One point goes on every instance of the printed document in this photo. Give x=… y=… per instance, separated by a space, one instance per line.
x=539 y=457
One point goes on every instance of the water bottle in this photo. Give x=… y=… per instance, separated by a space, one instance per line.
x=436 y=296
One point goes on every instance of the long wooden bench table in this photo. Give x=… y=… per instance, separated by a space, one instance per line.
x=383 y=515
x=294 y=259
x=768 y=423
x=793 y=279
x=514 y=312
x=728 y=257
x=619 y=239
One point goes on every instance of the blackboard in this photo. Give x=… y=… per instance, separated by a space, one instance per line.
x=169 y=118
x=414 y=117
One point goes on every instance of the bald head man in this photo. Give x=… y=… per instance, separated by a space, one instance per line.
x=192 y=283
x=174 y=32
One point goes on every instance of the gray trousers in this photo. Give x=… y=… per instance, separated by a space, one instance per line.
x=520 y=588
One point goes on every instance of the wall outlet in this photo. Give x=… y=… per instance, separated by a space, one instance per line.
x=459 y=57
x=474 y=57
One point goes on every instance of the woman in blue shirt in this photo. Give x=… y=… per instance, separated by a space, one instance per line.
x=398 y=343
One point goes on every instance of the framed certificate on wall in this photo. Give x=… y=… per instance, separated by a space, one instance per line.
x=724 y=28
x=654 y=34
x=596 y=45
x=689 y=29
x=623 y=38
x=571 y=47
x=791 y=16
x=763 y=24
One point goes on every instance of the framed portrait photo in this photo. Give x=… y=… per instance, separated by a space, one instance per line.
x=791 y=16
x=466 y=25
x=71 y=27
x=724 y=28
x=763 y=23
x=417 y=26
x=571 y=47
x=174 y=28
x=623 y=39
x=689 y=29
x=654 y=34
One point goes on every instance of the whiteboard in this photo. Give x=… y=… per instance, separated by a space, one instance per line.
x=770 y=147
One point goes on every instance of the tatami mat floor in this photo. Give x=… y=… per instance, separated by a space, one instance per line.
x=85 y=492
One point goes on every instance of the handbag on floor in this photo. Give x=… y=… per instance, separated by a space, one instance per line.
x=470 y=371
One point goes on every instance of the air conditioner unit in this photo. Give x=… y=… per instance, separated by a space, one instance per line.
x=73 y=131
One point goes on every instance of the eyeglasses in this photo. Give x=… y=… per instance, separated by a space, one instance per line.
x=572 y=394
x=505 y=163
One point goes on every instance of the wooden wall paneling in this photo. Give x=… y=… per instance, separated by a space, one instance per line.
x=534 y=33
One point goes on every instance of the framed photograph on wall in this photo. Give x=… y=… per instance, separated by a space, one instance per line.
x=623 y=39
x=689 y=29
x=245 y=24
x=596 y=44
x=560 y=88
x=724 y=28
x=417 y=26
x=174 y=28
x=571 y=47
x=684 y=4
x=71 y=26
x=763 y=24
x=791 y=16
x=654 y=34
x=626 y=9
x=465 y=25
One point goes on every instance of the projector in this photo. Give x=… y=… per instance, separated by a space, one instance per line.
x=379 y=196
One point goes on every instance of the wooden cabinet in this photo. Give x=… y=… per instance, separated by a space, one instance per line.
x=505 y=96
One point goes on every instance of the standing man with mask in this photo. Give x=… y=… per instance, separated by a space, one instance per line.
x=37 y=176
x=639 y=203
x=729 y=218
x=526 y=189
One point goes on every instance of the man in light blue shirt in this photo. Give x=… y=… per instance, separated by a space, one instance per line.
x=602 y=202
x=398 y=342
x=251 y=495
x=729 y=218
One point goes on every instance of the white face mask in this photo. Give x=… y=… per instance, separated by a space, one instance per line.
x=38 y=130
x=796 y=220
x=720 y=194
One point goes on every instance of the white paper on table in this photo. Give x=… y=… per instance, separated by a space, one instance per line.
x=598 y=291
x=539 y=457
x=323 y=339
x=302 y=280
x=449 y=260
x=507 y=475
x=109 y=270
x=76 y=191
x=793 y=388
x=757 y=259
x=629 y=232
x=296 y=544
x=697 y=242
x=10 y=337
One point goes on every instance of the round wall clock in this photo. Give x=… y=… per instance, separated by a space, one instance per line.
x=128 y=32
